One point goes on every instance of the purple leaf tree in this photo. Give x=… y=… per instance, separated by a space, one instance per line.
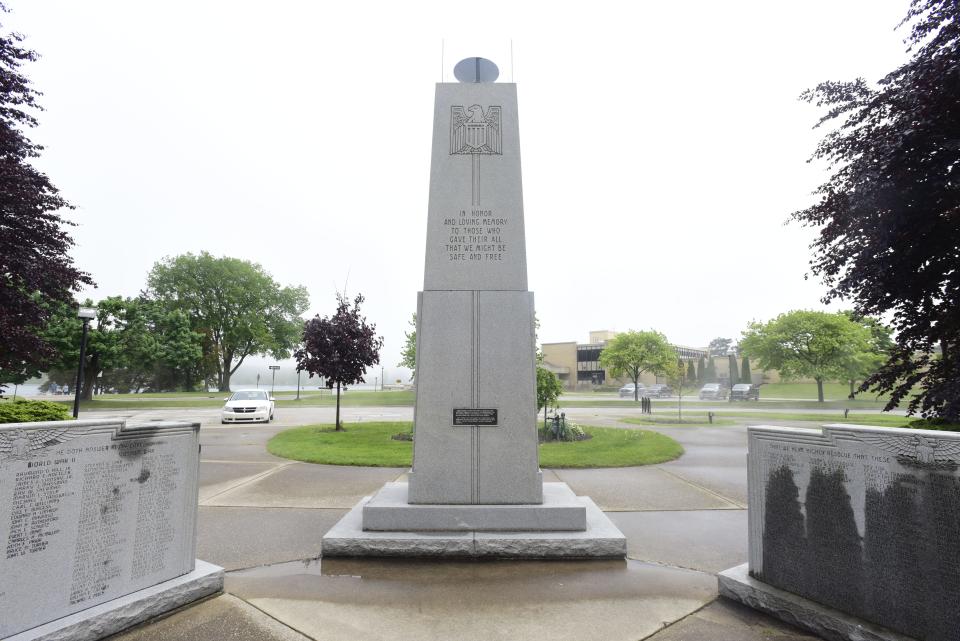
x=339 y=348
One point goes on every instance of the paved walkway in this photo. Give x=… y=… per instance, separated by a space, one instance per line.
x=262 y=518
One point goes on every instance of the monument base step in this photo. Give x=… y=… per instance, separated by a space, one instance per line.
x=600 y=540
x=825 y=622
x=389 y=511
x=123 y=612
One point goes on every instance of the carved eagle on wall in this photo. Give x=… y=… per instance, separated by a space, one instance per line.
x=917 y=449
x=21 y=444
x=475 y=131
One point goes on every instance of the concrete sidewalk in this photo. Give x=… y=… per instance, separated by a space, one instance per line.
x=262 y=518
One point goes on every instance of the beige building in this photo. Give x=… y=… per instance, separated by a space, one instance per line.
x=578 y=364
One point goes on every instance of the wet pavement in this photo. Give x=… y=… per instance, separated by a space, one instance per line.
x=263 y=517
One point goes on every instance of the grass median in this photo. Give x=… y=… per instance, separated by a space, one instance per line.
x=370 y=444
x=823 y=418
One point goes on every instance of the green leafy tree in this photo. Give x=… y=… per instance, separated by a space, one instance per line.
x=745 y=375
x=719 y=346
x=887 y=216
x=235 y=305
x=180 y=351
x=632 y=353
x=549 y=389
x=408 y=355
x=113 y=341
x=862 y=365
x=803 y=343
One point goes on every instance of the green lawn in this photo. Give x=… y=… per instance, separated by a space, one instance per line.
x=313 y=398
x=370 y=444
x=732 y=417
x=808 y=391
x=671 y=403
x=670 y=419
x=611 y=447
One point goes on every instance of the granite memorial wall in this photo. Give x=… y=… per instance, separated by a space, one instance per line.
x=864 y=520
x=91 y=511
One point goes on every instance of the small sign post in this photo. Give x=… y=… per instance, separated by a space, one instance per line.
x=273 y=377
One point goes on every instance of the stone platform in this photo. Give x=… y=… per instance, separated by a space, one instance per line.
x=124 y=612
x=389 y=510
x=832 y=625
x=600 y=539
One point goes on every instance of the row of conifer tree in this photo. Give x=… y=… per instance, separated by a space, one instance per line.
x=705 y=371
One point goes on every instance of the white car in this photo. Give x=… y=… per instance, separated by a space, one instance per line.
x=248 y=406
x=627 y=390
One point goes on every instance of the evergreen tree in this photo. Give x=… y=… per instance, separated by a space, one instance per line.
x=745 y=375
x=701 y=371
x=711 y=375
x=734 y=374
x=691 y=374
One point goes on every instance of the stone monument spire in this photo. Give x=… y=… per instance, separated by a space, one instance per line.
x=476 y=376
x=475 y=488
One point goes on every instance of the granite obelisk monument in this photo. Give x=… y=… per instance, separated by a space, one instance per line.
x=475 y=485
x=476 y=383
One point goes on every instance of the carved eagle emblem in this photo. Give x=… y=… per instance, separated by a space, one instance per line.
x=21 y=443
x=918 y=449
x=475 y=131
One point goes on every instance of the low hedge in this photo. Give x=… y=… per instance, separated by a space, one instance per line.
x=23 y=411
x=934 y=424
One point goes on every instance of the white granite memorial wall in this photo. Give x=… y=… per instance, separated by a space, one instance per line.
x=91 y=511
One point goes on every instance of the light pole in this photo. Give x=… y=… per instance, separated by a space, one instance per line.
x=273 y=377
x=86 y=314
x=298 y=383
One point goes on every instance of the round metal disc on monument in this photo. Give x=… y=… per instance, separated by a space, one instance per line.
x=476 y=70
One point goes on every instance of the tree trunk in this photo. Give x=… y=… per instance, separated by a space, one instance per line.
x=90 y=372
x=636 y=389
x=338 y=426
x=225 y=373
x=852 y=393
x=819 y=389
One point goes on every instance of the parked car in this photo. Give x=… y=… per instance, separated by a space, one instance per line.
x=627 y=391
x=248 y=406
x=713 y=391
x=659 y=391
x=745 y=392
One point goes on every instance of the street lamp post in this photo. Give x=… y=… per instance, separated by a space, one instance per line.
x=298 y=384
x=86 y=314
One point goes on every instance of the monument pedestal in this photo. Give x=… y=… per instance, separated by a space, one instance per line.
x=826 y=622
x=131 y=609
x=389 y=510
x=477 y=536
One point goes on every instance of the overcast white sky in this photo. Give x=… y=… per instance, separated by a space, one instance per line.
x=661 y=139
